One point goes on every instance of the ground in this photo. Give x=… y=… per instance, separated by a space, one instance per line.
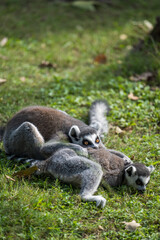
x=70 y=39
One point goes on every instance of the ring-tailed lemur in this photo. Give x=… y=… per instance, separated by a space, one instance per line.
x=29 y=129
x=67 y=165
x=117 y=167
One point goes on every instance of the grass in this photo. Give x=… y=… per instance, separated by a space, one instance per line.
x=42 y=208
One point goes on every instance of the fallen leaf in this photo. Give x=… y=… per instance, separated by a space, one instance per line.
x=132 y=97
x=119 y=62
x=86 y=5
x=23 y=79
x=8 y=177
x=129 y=47
x=100 y=59
x=128 y=129
x=46 y=64
x=43 y=45
x=131 y=226
x=2 y=80
x=142 y=77
x=100 y=227
x=118 y=130
x=26 y=172
x=3 y=41
x=3 y=57
x=123 y=37
x=148 y=24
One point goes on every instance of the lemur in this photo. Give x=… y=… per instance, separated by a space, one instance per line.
x=101 y=166
x=66 y=162
x=30 y=128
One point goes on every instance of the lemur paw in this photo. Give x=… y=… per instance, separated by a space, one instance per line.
x=127 y=160
x=100 y=201
x=80 y=150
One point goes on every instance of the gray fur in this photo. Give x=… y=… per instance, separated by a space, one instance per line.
x=66 y=165
x=63 y=162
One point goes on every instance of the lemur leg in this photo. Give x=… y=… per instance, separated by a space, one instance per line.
x=91 y=179
x=70 y=168
x=51 y=147
x=25 y=141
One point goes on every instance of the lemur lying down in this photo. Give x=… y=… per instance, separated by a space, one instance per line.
x=71 y=167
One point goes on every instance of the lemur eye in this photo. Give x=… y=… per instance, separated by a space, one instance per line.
x=97 y=140
x=139 y=182
x=85 y=142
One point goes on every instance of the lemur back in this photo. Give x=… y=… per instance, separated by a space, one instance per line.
x=47 y=120
x=117 y=170
x=31 y=127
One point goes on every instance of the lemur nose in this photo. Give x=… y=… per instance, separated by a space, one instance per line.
x=141 y=191
x=95 y=147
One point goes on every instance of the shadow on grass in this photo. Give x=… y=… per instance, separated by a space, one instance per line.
x=35 y=19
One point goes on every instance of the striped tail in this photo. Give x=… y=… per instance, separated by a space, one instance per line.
x=24 y=161
x=97 y=116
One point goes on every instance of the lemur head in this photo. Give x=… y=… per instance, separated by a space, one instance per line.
x=87 y=137
x=137 y=175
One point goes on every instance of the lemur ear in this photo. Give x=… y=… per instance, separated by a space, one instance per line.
x=131 y=170
x=151 y=168
x=74 y=132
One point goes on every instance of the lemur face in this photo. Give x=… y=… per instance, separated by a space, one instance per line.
x=86 y=138
x=138 y=175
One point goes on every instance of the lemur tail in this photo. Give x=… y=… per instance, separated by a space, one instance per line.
x=2 y=129
x=29 y=162
x=97 y=116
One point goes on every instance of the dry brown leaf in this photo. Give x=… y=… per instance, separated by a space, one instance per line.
x=2 y=80
x=100 y=59
x=142 y=77
x=131 y=226
x=132 y=97
x=46 y=64
x=128 y=129
x=3 y=57
x=3 y=41
x=26 y=172
x=8 y=177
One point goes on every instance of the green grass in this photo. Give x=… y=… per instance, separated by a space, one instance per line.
x=42 y=208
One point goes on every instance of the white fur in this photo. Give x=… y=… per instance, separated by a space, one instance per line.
x=151 y=168
x=97 y=117
x=74 y=130
x=92 y=138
